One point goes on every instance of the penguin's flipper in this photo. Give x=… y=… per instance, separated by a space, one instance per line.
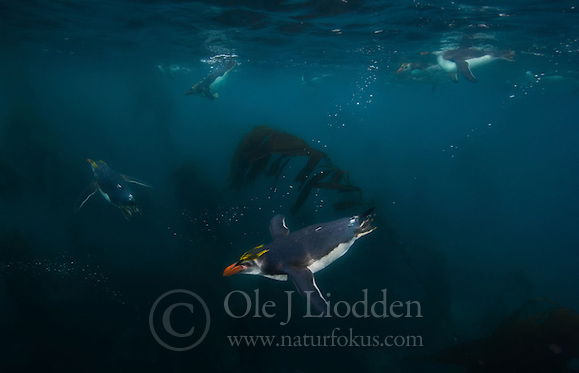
x=304 y=281
x=133 y=180
x=462 y=66
x=277 y=227
x=86 y=194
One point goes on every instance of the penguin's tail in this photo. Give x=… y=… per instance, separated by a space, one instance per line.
x=366 y=219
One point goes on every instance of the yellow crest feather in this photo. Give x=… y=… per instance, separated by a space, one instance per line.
x=253 y=253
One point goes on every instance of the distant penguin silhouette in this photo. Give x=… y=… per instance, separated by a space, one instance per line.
x=209 y=86
x=113 y=186
x=313 y=79
x=419 y=72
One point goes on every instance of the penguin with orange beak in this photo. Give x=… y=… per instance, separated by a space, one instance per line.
x=113 y=186
x=300 y=254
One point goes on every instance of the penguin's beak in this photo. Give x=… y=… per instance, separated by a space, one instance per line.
x=402 y=68
x=93 y=164
x=191 y=90
x=233 y=269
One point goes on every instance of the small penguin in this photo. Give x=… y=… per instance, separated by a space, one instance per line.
x=419 y=72
x=411 y=68
x=208 y=87
x=462 y=60
x=171 y=69
x=300 y=254
x=113 y=186
x=314 y=80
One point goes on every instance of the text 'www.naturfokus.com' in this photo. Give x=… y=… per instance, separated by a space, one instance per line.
x=336 y=338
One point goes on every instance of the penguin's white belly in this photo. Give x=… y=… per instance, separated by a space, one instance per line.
x=257 y=271
x=325 y=261
x=446 y=65
x=277 y=277
x=450 y=66
x=218 y=83
x=479 y=61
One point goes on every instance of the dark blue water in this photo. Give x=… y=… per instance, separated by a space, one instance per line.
x=475 y=185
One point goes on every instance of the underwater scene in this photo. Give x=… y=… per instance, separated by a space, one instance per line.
x=289 y=186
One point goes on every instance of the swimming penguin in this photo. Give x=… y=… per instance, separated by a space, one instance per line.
x=419 y=72
x=462 y=60
x=300 y=254
x=113 y=186
x=171 y=69
x=413 y=68
x=208 y=87
x=313 y=79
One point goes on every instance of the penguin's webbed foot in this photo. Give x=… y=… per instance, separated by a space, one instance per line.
x=129 y=210
x=366 y=219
